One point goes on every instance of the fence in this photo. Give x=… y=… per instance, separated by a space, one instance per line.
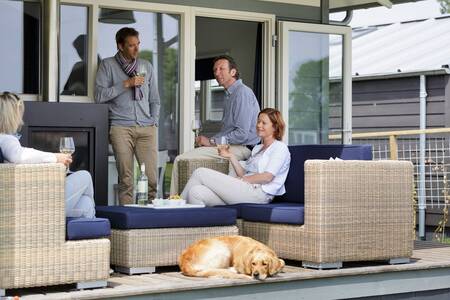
x=429 y=151
x=405 y=145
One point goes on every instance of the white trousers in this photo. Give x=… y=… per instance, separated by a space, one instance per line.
x=79 y=194
x=241 y=153
x=212 y=188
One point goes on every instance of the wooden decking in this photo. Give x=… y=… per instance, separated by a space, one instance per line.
x=430 y=263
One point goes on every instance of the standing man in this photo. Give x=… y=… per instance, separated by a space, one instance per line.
x=133 y=101
x=240 y=115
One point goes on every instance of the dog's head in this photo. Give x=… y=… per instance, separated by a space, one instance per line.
x=262 y=264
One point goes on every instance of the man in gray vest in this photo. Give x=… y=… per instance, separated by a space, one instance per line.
x=128 y=84
x=240 y=115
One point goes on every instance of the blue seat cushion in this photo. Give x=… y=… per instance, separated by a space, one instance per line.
x=238 y=207
x=285 y=213
x=123 y=217
x=86 y=228
x=300 y=153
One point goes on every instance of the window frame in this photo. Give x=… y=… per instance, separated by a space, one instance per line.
x=283 y=70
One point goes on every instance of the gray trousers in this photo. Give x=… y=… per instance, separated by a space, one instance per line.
x=241 y=153
x=79 y=194
x=212 y=188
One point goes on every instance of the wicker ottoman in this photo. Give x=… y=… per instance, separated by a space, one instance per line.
x=145 y=238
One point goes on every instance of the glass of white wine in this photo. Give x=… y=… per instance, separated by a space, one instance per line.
x=223 y=144
x=141 y=70
x=196 y=126
x=66 y=146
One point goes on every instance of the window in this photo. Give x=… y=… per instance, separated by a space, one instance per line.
x=73 y=51
x=312 y=80
x=20 y=27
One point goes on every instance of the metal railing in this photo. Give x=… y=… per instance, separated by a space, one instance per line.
x=428 y=150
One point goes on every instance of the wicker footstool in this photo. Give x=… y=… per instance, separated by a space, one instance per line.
x=145 y=238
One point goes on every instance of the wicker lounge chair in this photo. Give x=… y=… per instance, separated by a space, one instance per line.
x=354 y=210
x=33 y=248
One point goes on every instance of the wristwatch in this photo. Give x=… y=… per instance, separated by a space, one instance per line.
x=212 y=141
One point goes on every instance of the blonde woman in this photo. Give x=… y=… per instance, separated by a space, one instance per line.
x=79 y=193
x=258 y=180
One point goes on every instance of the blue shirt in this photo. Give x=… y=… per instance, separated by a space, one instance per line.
x=240 y=114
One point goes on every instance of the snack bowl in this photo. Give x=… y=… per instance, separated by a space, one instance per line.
x=177 y=202
x=160 y=202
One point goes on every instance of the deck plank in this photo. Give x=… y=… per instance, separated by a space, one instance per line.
x=425 y=256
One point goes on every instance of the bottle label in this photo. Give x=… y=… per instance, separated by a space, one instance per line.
x=142 y=186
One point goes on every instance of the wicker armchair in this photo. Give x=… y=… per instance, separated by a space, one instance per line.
x=354 y=210
x=33 y=249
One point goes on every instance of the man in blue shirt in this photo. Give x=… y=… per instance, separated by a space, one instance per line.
x=240 y=115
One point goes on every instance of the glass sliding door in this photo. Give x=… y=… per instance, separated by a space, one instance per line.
x=315 y=89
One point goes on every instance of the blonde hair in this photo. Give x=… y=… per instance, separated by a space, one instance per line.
x=11 y=113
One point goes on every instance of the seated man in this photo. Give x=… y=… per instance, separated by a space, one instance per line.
x=238 y=123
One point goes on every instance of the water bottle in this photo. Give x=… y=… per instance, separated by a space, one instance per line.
x=142 y=188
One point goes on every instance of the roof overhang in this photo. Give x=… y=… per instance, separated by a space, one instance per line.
x=343 y=5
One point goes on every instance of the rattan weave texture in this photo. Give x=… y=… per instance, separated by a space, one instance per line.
x=33 y=249
x=354 y=211
x=187 y=166
x=137 y=248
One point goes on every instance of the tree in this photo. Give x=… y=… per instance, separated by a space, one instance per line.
x=445 y=6
x=309 y=99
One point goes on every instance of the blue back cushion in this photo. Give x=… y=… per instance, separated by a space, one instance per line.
x=299 y=154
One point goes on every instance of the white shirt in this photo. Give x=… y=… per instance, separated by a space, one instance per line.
x=13 y=152
x=275 y=160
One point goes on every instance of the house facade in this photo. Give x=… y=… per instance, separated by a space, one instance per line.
x=282 y=48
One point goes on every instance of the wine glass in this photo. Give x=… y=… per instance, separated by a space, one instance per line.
x=196 y=126
x=141 y=70
x=223 y=144
x=66 y=146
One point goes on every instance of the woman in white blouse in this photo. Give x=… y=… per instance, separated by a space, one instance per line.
x=79 y=193
x=258 y=180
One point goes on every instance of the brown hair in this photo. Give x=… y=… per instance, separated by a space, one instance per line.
x=277 y=121
x=231 y=64
x=125 y=32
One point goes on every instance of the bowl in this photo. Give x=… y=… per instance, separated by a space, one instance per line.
x=159 y=202
x=177 y=202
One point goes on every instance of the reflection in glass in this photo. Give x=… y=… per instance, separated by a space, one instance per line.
x=20 y=24
x=309 y=88
x=73 y=47
x=159 y=37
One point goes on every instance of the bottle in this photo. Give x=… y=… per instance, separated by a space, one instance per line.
x=142 y=188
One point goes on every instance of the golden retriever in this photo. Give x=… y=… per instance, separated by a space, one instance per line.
x=230 y=257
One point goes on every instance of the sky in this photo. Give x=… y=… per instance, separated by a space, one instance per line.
x=398 y=13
